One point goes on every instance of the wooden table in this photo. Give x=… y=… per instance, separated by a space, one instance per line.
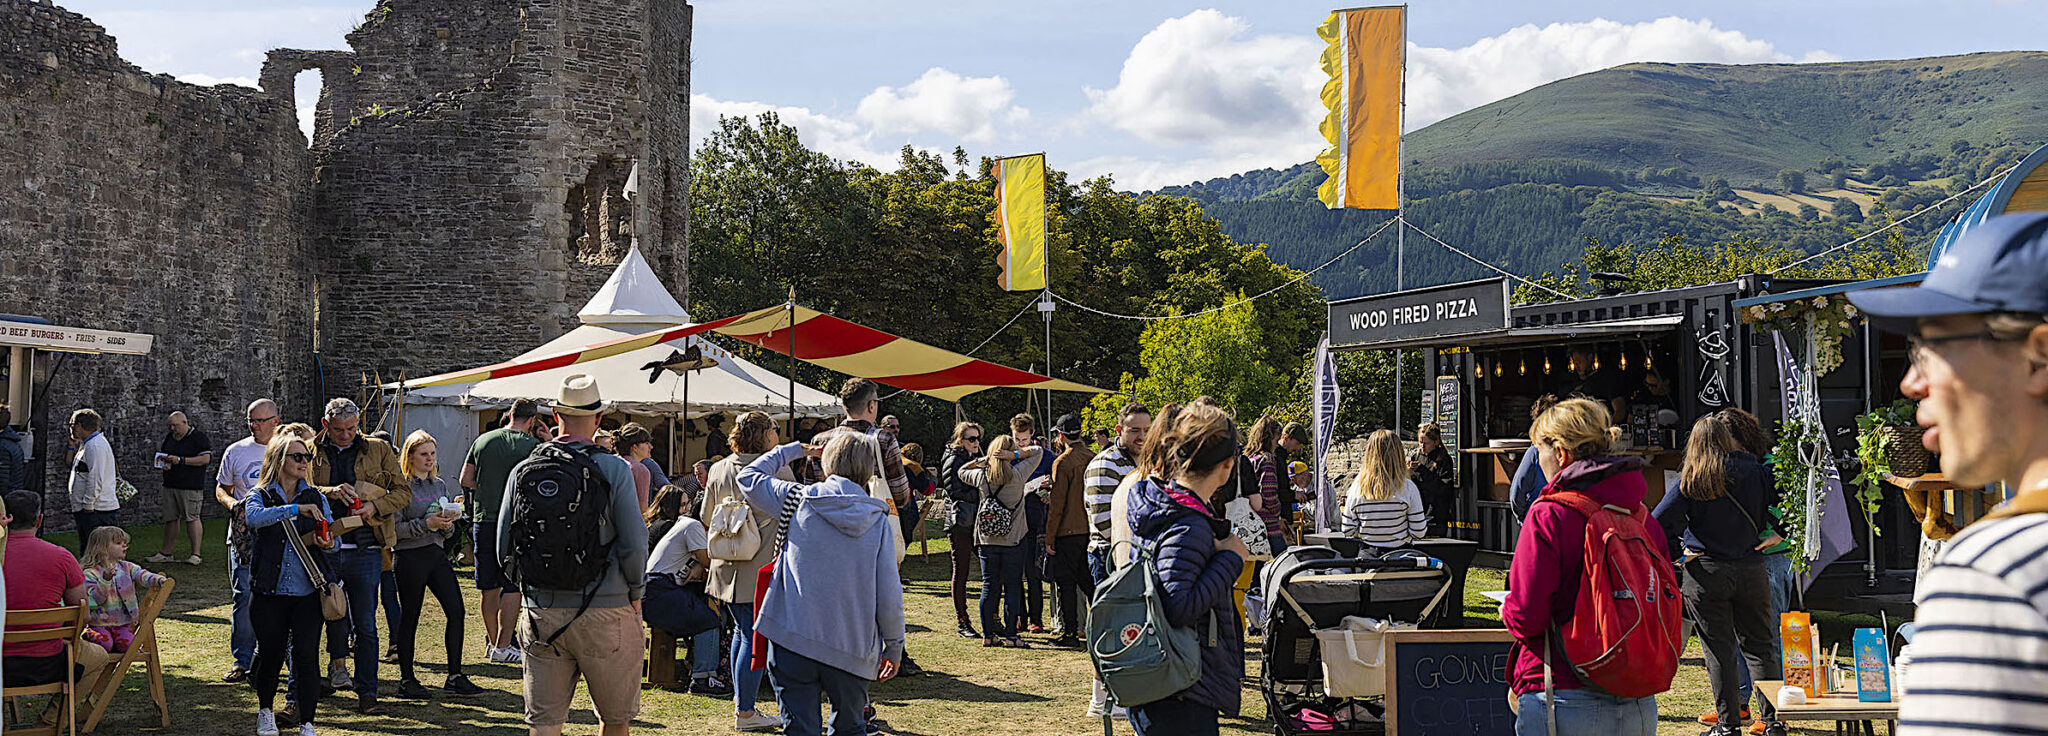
x=1851 y=716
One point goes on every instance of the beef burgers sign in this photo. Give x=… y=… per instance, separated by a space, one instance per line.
x=1433 y=312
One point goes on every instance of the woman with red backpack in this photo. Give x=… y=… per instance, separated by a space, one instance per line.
x=1719 y=514
x=1556 y=561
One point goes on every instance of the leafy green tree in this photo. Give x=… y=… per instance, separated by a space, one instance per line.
x=1219 y=354
x=1792 y=181
x=1846 y=209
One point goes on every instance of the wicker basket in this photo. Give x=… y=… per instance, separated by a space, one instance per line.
x=1904 y=452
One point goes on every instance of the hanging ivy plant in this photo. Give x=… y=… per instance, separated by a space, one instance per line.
x=1873 y=451
x=1832 y=324
x=1788 y=465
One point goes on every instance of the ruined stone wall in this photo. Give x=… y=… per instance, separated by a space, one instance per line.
x=467 y=227
x=138 y=203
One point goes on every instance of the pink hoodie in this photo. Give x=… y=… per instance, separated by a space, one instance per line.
x=1543 y=580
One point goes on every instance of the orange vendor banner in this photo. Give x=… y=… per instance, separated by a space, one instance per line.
x=1365 y=58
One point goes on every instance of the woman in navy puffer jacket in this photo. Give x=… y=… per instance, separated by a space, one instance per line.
x=1198 y=561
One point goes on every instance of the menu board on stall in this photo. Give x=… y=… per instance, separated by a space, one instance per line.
x=1448 y=682
x=1428 y=405
x=1447 y=410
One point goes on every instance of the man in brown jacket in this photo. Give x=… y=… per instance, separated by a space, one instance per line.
x=1066 y=530
x=367 y=479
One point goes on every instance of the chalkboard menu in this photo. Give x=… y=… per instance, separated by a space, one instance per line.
x=1447 y=410
x=1448 y=682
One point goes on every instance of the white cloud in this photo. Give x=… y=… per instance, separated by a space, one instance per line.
x=1203 y=87
x=208 y=80
x=1201 y=78
x=966 y=108
x=935 y=112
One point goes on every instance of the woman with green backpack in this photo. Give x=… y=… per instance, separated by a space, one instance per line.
x=1197 y=560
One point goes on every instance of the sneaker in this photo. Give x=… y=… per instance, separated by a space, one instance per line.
x=507 y=655
x=1720 y=730
x=1770 y=728
x=237 y=674
x=967 y=631
x=757 y=722
x=1713 y=718
x=306 y=729
x=391 y=655
x=1094 y=710
x=909 y=668
x=195 y=560
x=160 y=558
x=1120 y=713
x=367 y=705
x=412 y=689
x=289 y=716
x=460 y=685
x=266 y=723
x=709 y=686
x=337 y=675
x=1068 y=642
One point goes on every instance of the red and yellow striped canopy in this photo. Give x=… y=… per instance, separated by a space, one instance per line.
x=820 y=339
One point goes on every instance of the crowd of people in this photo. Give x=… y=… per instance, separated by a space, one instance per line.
x=779 y=561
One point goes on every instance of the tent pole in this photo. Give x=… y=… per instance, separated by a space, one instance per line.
x=1045 y=306
x=792 y=362
x=685 y=419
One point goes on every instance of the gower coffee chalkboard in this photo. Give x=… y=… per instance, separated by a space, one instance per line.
x=1448 y=682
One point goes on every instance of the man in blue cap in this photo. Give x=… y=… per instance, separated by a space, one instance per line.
x=1980 y=373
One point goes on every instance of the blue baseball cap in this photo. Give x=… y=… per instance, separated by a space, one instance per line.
x=2001 y=265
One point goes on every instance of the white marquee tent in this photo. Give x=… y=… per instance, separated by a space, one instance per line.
x=631 y=302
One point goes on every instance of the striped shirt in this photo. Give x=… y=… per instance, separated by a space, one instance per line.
x=1980 y=660
x=1390 y=523
x=1099 y=488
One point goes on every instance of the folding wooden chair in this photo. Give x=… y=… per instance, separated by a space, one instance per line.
x=67 y=622
x=143 y=648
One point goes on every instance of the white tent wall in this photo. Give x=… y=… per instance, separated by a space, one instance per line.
x=454 y=429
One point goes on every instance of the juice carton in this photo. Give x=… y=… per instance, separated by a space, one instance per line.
x=1873 y=667
x=1802 y=667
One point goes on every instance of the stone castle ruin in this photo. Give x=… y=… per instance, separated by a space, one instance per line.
x=463 y=193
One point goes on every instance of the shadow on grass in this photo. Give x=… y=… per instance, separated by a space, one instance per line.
x=945 y=687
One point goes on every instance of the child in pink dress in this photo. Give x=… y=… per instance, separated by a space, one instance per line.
x=110 y=582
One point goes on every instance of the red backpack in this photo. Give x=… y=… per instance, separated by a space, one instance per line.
x=1624 y=636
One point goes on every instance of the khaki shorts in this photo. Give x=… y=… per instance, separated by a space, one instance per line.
x=181 y=504
x=604 y=646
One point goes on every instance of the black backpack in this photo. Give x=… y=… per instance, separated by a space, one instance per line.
x=561 y=505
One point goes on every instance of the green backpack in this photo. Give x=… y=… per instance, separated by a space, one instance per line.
x=1138 y=655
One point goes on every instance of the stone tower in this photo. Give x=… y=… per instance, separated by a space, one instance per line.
x=470 y=160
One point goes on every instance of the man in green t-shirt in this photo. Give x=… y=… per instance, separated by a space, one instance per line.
x=484 y=473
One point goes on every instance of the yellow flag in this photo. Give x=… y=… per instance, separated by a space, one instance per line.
x=1364 y=59
x=1020 y=221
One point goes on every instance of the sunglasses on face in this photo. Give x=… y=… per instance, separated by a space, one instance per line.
x=256 y=420
x=976 y=438
x=299 y=457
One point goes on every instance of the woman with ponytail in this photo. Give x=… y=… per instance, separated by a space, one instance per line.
x=1197 y=559
x=1717 y=517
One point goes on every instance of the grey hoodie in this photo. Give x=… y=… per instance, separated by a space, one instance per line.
x=847 y=612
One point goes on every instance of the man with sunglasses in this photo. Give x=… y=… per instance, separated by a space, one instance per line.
x=1979 y=328
x=240 y=464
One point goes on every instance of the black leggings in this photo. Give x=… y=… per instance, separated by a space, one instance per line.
x=292 y=621
x=420 y=569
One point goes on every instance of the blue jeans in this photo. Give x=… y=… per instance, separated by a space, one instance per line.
x=1002 y=585
x=242 y=642
x=704 y=653
x=1585 y=711
x=803 y=684
x=359 y=571
x=387 y=587
x=1098 y=565
x=746 y=681
x=1173 y=717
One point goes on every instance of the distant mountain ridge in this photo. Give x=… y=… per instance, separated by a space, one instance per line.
x=1640 y=151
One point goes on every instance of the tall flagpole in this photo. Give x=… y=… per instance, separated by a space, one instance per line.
x=1400 y=208
x=1046 y=307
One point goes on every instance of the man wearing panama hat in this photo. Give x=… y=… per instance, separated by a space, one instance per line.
x=566 y=633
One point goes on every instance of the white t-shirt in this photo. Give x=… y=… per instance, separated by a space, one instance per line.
x=240 y=465
x=676 y=554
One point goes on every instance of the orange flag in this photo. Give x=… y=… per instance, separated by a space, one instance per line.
x=1365 y=58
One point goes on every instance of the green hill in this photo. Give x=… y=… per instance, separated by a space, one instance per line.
x=1641 y=151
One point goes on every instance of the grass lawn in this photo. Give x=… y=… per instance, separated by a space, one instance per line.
x=969 y=690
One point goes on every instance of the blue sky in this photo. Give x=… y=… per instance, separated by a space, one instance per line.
x=1154 y=93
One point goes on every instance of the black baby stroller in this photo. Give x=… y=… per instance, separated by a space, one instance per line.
x=1310 y=588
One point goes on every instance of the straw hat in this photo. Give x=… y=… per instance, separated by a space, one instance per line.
x=580 y=397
